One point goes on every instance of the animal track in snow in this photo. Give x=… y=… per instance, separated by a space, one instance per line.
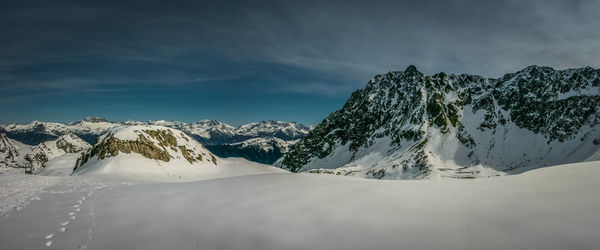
x=63 y=229
x=65 y=223
x=49 y=243
x=49 y=236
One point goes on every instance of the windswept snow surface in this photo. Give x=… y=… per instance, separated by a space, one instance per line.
x=549 y=208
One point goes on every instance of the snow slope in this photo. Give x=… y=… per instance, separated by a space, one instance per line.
x=548 y=208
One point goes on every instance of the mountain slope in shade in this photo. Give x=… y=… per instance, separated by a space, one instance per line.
x=406 y=125
x=262 y=149
x=33 y=159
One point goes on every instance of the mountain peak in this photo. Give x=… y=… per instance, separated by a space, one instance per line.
x=402 y=124
x=94 y=119
x=411 y=69
x=208 y=122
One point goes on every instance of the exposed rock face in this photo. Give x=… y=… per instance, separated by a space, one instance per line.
x=407 y=125
x=152 y=142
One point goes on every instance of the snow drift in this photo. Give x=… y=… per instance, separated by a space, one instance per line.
x=548 y=208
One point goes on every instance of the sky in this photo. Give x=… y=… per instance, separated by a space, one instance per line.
x=247 y=61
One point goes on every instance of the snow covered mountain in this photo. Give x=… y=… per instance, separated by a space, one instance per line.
x=211 y=132
x=9 y=152
x=37 y=132
x=144 y=149
x=214 y=134
x=33 y=159
x=406 y=125
x=276 y=129
x=157 y=153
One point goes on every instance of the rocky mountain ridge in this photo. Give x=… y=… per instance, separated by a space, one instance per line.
x=405 y=125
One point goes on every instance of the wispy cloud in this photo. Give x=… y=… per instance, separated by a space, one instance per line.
x=251 y=47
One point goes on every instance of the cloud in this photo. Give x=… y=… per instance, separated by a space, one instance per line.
x=330 y=47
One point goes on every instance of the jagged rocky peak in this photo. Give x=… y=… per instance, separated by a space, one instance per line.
x=94 y=119
x=146 y=146
x=405 y=124
x=271 y=128
x=91 y=119
x=211 y=122
x=208 y=123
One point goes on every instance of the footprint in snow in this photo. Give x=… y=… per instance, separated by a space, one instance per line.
x=49 y=236
x=65 y=223
x=63 y=229
x=71 y=213
x=49 y=243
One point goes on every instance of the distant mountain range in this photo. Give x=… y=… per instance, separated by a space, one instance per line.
x=407 y=125
x=264 y=141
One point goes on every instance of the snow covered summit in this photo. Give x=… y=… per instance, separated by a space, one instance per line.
x=145 y=149
x=159 y=153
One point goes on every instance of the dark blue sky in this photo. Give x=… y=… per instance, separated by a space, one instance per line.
x=244 y=61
